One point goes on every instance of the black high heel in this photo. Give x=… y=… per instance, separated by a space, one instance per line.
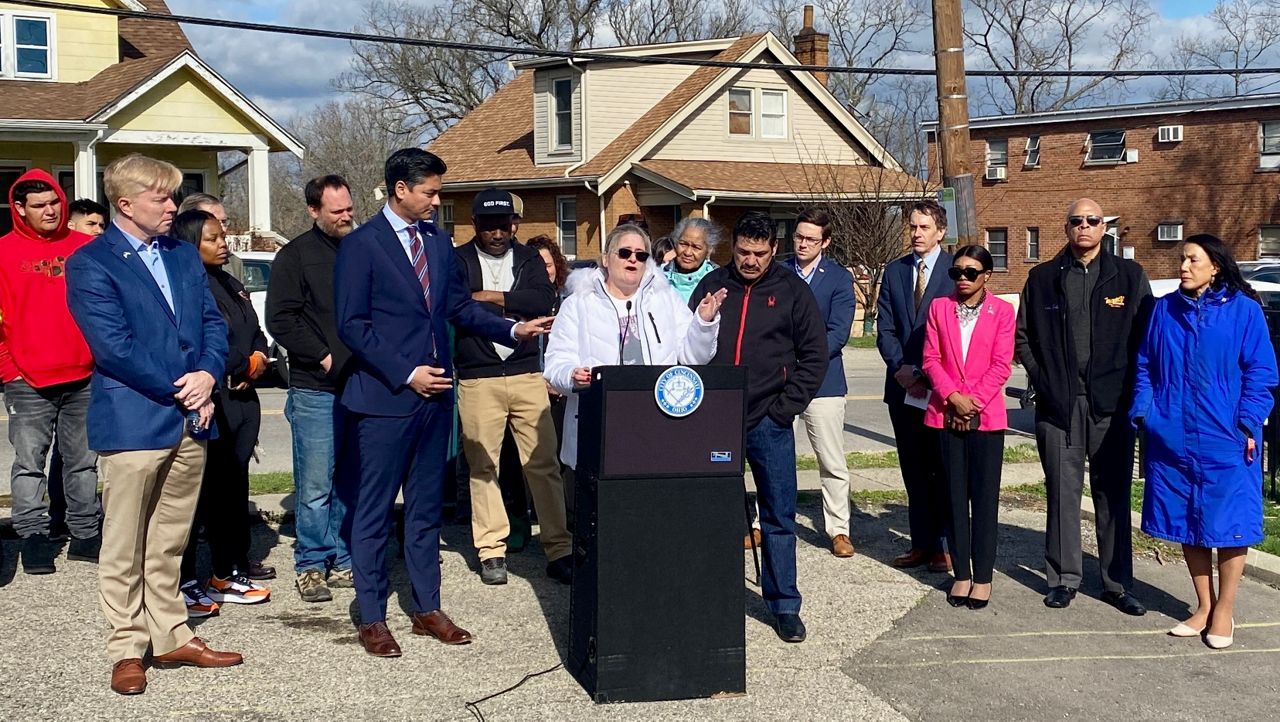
x=958 y=601
x=978 y=603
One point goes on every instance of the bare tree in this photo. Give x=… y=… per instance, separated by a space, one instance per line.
x=869 y=33
x=641 y=22
x=1244 y=32
x=1055 y=35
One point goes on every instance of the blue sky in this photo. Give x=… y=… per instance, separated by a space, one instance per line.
x=289 y=75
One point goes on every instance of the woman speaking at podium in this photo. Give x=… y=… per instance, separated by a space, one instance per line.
x=624 y=313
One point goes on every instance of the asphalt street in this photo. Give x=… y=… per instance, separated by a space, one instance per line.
x=867 y=426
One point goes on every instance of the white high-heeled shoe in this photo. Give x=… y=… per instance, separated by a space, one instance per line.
x=1216 y=642
x=1182 y=630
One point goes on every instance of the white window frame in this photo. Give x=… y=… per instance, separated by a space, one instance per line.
x=1261 y=239
x=1000 y=261
x=1032 y=151
x=9 y=44
x=1033 y=250
x=1169 y=232
x=556 y=120
x=1089 y=159
x=749 y=112
x=1271 y=158
x=998 y=159
x=21 y=166
x=561 y=219
x=783 y=115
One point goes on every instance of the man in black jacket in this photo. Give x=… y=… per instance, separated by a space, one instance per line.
x=500 y=386
x=770 y=323
x=1079 y=323
x=300 y=316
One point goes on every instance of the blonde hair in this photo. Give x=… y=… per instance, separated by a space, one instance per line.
x=136 y=173
x=615 y=237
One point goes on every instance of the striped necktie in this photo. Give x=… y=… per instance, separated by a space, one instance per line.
x=419 y=254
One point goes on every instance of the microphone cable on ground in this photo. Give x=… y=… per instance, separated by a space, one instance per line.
x=474 y=707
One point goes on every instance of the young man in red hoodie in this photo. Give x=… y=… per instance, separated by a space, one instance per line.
x=45 y=365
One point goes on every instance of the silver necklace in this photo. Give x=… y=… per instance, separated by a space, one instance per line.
x=967 y=313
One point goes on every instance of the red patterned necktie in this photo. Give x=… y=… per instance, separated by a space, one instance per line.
x=419 y=254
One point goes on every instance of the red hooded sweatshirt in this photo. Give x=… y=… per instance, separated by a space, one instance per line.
x=39 y=341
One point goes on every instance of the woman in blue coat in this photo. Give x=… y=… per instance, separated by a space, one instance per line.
x=1203 y=390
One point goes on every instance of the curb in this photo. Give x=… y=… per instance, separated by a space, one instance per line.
x=1258 y=564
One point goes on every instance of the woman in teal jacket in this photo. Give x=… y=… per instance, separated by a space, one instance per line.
x=1205 y=371
x=695 y=239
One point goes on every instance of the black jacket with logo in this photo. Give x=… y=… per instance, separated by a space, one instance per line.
x=774 y=328
x=531 y=296
x=300 y=310
x=1120 y=306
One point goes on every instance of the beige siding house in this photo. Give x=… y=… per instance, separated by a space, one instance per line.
x=78 y=90
x=589 y=143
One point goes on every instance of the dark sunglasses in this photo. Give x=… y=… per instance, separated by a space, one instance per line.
x=1077 y=221
x=627 y=253
x=968 y=273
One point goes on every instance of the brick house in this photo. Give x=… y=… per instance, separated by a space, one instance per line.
x=587 y=143
x=1161 y=172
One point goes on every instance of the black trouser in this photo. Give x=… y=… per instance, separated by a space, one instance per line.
x=972 y=462
x=1107 y=444
x=224 y=492
x=920 y=458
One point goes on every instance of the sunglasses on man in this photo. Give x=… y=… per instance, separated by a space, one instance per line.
x=1077 y=221
x=969 y=273
x=627 y=253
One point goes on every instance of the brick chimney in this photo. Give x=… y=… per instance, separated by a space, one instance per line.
x=811 y=45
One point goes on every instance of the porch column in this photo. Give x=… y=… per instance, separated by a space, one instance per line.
x=259 y=190
x=86 y=171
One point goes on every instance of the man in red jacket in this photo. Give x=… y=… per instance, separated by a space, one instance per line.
x=45 y=365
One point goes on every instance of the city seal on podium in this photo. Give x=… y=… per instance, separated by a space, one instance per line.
x=679 y=391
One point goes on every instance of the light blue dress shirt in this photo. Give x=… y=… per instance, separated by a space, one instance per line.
x=930 y=261
x=151 y=257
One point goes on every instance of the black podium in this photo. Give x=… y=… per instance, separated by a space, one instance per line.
x=658 y=609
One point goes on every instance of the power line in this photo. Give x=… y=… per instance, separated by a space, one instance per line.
x=603 y=56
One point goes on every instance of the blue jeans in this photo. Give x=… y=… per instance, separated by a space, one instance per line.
x=318 y=516
x=771 y=452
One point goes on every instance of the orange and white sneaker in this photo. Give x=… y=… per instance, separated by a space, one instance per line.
x=237 y=589
x=198 y=602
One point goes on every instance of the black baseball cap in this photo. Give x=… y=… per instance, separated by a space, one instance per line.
x=493 y=202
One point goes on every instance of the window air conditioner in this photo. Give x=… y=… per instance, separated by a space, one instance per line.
x=1169 y=134
x=1131 y=155
x=996 y=172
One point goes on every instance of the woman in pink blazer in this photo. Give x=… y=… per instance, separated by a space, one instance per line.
x=968 y=349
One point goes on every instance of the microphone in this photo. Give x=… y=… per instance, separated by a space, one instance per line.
x=622 y=335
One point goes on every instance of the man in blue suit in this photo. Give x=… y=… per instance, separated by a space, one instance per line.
x=397 y=287
x=832 y=285
x=142 y=301
x=910 y=284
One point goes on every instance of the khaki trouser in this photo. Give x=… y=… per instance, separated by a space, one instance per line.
x=824 y=421
x=148 y=502
x=486 y=406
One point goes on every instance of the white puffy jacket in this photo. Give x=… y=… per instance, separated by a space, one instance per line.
x=585 y=333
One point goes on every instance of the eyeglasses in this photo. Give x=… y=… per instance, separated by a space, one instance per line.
x=1077 y=221
x=626 y=254
x=802 y=240
x=969 y=273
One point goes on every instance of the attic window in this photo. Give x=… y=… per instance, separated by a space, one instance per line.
x=562 y=115
x=740 y=111
x=26 y=45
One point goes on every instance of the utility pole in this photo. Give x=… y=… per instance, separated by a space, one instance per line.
x=953 y=116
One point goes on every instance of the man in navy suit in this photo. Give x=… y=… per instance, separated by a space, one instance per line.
x=142 y=301
x=910 y=284
x=397 y=287
x=832 y=286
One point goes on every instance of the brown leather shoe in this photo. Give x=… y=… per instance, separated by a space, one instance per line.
x=940 y=562
x=913 y=558
x=196 y=654
x=841 y=546
x=377 y=640
x=437 y=624
x=746 y=539
x=128 y=677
